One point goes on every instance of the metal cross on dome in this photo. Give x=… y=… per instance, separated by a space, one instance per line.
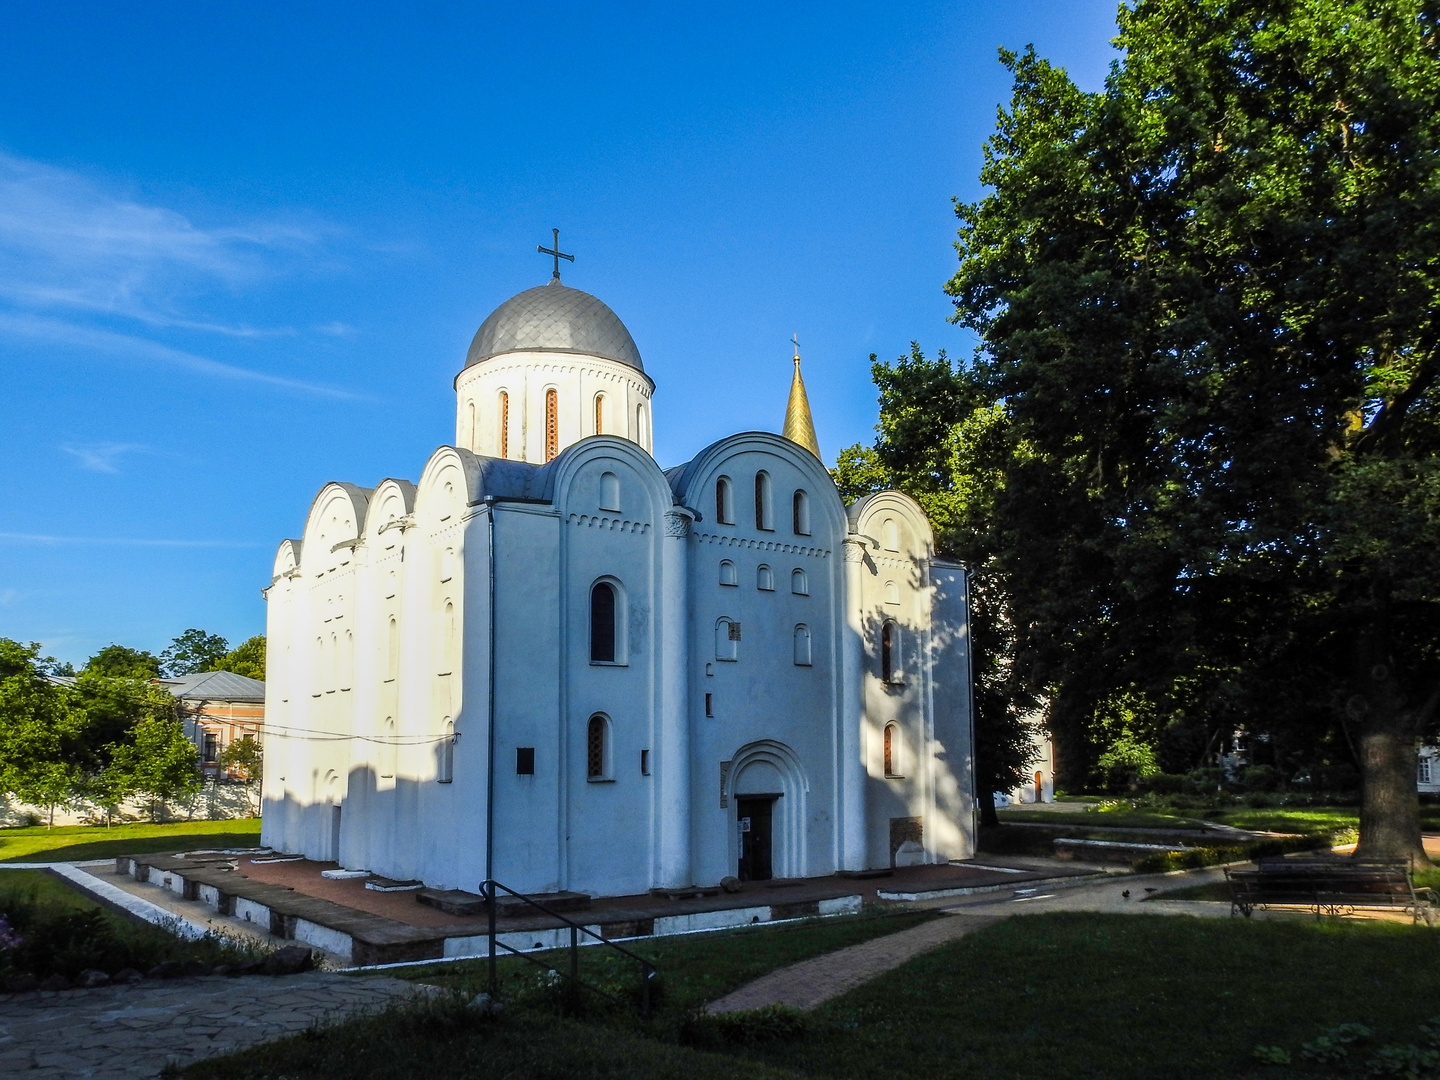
x=555 y=251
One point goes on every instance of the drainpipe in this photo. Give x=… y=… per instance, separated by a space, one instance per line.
x=490 y=762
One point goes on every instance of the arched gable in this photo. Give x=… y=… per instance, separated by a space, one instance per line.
x=892 y=522
x=693 y=483
x=287 y=559
x=393 y=501
x=336 y=516
x=450 y=483
x=573 y=482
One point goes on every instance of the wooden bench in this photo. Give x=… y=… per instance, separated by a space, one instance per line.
x=1331 y=887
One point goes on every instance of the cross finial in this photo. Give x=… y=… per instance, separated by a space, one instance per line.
x=796 y=339
x=555 y=251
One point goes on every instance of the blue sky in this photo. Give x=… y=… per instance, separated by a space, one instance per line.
x=243 y=248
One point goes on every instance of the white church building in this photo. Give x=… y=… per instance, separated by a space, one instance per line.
x=681 y=674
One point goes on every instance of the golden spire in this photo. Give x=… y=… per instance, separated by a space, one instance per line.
x=799 y=428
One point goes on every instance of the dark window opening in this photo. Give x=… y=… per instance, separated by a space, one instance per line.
x=525 y=761
x=211 y=748
x=887 y=651
x=595 y=748
x=602 y=623
x=709 y=704
x=762 y=501
x=644 y=762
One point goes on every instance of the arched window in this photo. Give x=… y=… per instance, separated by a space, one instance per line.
x=727 y=639
x=552 y=423
x=802 y=645
x=392 y=652
x=799 y=584
x=892 y=593
x=764 y=579
x=602 y=623
x=448 y=640
x=800 y=512
x=609 y=491
x=892 y=750
x=445 y=764
x=890 y=533
x=388 y=750
x=447 y=564
x=727 y=573
x=762 y=501
x=599 y=414
x=504 y=424
x=724 y=502
x=347 y=662
x=596 y=750
x=890 y=652
x=470 y=435
x=642 y=427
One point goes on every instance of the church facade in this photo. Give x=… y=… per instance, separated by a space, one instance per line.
x=652 y=678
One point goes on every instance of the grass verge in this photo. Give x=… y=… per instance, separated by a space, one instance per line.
x=1058 y=995
x=75 y=843
x=61 y=931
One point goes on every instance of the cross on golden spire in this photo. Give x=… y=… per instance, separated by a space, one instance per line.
x=799 y=427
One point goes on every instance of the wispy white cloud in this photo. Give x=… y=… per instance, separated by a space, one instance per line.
x=103 y=456
x=125 y=541
x=84 y=337
x=65 y=242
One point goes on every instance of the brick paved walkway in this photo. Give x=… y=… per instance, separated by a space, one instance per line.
x=814 y=982
x=131 y=1032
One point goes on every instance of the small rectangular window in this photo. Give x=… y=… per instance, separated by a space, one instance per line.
x=1424 y=776
x=525 y=761
x=644 y=762
x=709 y=704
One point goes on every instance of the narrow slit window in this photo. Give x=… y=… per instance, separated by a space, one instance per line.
x=504 y=424
x=599 y=414
x=802 y=646
x=889 y=651
x=552 y=424
x=724 y=504
x=799 y=584
x=602 y=623
x=891 y=751
x=800 y=511
x=525 y=761
x=762 y=501
x=609 y=492
x=595 y=748
x=709 y=704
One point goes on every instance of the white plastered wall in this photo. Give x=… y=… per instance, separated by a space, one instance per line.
x=525 y=377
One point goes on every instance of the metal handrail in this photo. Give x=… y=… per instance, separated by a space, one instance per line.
x=648 y=971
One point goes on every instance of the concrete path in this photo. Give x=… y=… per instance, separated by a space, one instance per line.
x=813 y=982
x=132 y=1032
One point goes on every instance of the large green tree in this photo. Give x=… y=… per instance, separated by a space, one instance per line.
x=938 y=441
x=1208 y=298
x=123 y=662
x=193 y=651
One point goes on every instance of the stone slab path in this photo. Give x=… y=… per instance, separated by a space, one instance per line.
x=815 y=981
x=132 y=1032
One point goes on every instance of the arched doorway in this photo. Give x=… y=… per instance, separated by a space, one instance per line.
x=767 y=790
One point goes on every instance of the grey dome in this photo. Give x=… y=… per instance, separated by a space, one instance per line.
x=554 y=318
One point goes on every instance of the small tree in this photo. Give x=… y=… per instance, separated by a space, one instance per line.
x=247 y=658
x=123 y=662
x=193 y=651
x=159 y=761
x=40 y=728
x=246 y=757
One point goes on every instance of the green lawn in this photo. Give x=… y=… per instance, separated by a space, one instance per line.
x=1062 y=996
x=1101 y=819
x=694 y=968
x=74 y=843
